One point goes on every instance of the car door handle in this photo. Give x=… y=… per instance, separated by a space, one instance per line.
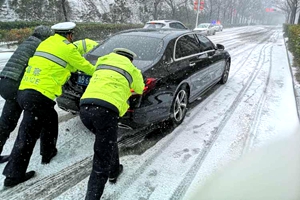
x=202 y=56
x=192 y=64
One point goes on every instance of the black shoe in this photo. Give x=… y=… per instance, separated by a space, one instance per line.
x=113 y=178
x=47 y=159
x=4 y=159
x=11 y=182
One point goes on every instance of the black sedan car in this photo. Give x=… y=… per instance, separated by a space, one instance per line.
x=178 y=66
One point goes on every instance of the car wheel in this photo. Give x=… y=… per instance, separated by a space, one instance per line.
x=225 y=73
x=179 y=106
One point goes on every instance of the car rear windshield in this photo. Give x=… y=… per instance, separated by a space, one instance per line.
x=154 y=25
x=202 y=25
x=146 y=48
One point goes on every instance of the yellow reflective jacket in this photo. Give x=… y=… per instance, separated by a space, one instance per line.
x=85 y=45
x=51 y=65
x=111 y=86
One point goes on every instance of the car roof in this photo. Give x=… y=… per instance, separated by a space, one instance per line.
x=155 y=33
x=163 y=21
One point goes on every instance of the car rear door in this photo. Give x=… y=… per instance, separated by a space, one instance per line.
x=216 y=61
x=177 y=25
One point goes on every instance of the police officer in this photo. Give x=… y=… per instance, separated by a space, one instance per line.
x=100 y=110
x=42 y=82
x=85 y=45
x=10 y=78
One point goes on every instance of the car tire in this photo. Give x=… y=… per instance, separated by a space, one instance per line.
x=179 y=106
x=225 y=73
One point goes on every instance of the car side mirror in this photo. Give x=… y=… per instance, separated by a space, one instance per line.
x=220 y=47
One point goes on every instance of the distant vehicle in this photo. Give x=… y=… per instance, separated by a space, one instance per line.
x=178 y=66
x=206 y=29
x=173 y=24
x=219 y=27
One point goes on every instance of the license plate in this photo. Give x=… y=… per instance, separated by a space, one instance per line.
x=83 y=79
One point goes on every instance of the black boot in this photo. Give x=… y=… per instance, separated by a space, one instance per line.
x=4 y=159
x=11 y=182
x=114 y=176
x=47 y=159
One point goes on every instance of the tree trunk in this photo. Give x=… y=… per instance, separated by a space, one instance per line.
x=155 y=10
x=187 y=12
x=294 y=8
x=64 y=9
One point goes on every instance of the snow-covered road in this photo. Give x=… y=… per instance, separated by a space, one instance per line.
x=255 y=107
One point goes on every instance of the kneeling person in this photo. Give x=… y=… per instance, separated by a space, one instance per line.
x=103 y=102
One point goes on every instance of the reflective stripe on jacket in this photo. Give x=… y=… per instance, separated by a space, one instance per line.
x=85 y=45
x=112 y=81
x=51 y=65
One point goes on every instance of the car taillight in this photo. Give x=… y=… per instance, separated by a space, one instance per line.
x=149 y=85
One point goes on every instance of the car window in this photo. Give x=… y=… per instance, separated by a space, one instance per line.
x=177 y=25
x=186 y=45
x=154 y=25
x=168 y=55
x=205 y=43
x=202 y=26
x=146 y=48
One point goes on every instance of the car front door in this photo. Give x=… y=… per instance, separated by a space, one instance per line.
x=215 y=60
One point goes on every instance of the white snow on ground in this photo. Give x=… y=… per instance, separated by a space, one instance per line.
x=255 y=107
x=4 y=54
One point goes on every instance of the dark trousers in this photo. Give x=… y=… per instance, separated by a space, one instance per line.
x=40 y=120
x=104 y=124
x=11 y=111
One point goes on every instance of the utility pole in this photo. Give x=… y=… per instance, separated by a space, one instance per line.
x=198 y=8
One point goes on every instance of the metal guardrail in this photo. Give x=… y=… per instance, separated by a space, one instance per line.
x=6 y=48
x=8 y=43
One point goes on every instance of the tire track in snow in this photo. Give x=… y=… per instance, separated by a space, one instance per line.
x=257 y=116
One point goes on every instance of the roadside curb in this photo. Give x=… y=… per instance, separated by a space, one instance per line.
x=296 y=87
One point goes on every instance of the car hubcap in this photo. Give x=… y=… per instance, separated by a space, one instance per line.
x=180 y=105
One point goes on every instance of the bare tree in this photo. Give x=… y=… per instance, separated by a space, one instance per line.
x=293 y=5
x=290 y=7
x=172 y=5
